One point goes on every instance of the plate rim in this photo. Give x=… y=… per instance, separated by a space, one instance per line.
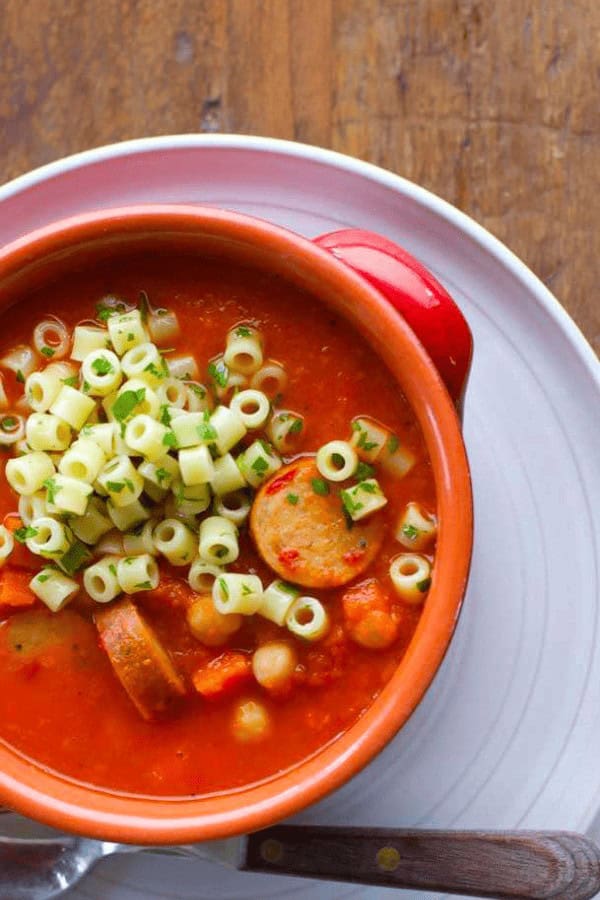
x=424 y=197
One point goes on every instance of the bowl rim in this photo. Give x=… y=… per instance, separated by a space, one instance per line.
x=58 y=801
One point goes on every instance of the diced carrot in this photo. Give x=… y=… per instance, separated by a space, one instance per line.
x=223 y=675
x=20 y=556
x=15 y=592
x=368 y=615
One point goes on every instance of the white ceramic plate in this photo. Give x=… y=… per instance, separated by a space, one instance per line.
x=508 y=734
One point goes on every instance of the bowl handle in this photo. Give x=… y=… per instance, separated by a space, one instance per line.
x=416 y=294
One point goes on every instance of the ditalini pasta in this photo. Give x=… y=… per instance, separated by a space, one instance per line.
x=210 y=518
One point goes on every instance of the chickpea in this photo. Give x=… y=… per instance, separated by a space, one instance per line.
x=210 y=627
x=273 y=665
x=375 y=631
x=251 y=722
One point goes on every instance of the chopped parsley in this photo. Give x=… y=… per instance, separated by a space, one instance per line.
x=243 y=331
x=219 y=373
x=260 y=465
x=410 y=532
x=21 y=534
x=364 y=444
x=292 y=499
x=130 y=337
x=154 y=370
x=20 y=377
x=206 y=432
x=424 y=585
x=129 y=485
x=296 y=426
x=266 y=447
x=197 y=389
x=48 y=352
x=169 y=439
x=8 y=423
x=363 y=470
x=71 y=381
x=105 y=310
x=144 y=586
x=112 y=569
x=338 y=460
x=86 y=386
x=320 y=486
x=103 y=366
x=43 y=577
x=246 y=589
x=288 y=588
x=393 y=443
x=115 y=487
x=52 y=488
x=165 y=415
x=126 y=403
x=368 y=487
x=221 y=552
x=223 y=584
x=74 y=558
x=162 y=474
x=350 y=504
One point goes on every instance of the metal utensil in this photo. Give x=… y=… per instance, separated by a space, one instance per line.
x=504 y=865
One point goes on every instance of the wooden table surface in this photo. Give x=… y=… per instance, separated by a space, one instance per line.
x=492 y=104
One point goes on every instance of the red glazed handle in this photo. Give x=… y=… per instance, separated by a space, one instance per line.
x=413 y=291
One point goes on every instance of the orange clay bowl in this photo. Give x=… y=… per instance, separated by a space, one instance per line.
x=32 y=261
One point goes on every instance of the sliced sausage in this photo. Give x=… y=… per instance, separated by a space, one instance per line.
x=141 y=663
x=304 y=535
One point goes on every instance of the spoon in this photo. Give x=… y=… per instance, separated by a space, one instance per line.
x=505 y=865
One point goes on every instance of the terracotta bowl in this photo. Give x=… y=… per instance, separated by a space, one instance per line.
x=35 y=259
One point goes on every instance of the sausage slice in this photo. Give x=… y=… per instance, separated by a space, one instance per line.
x=141 y=663
x=304 y=536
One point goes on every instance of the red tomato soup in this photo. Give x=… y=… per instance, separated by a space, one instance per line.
x=168 y=690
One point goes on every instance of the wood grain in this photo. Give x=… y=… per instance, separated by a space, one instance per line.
x=492 y=104
x=539 y=865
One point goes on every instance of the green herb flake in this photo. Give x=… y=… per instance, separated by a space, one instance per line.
x=144 y=586
x=129 y=560
x=20 y=377
x=8 y=423
x=115 y=487
x=288 y=588
x=292 y=499
x=266 y=447
x=154 y=370
x=296 y=426
x=363 y=470
x=162 y=475
x=48 y=352
x=223 y=586
x=21 y=534
x=43 y=577
x=130 y=337
x=424 y=585
x=221 y=552
x=126 y=403
x=86 y=387
x=260 y=465
x=74 y=558
x=197 y=389
x=129 y=484
x=112 y=569
x=71 y=381
x=165 y=415
x=350 y=504
x=52 y=489
x=169 y=439
x=392 y=444
x=103 y=366
x=410 y=532
x=243 y=331
x=368 y=487
x=364 y=444
x=246 y=589
x=320 y=487
x=219 y=373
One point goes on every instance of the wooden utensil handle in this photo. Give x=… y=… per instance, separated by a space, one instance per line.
x=505 y=865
